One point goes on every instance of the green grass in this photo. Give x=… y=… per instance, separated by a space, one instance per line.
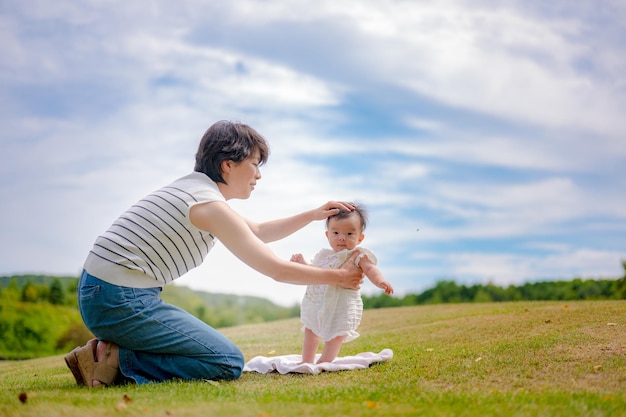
x=509 y=359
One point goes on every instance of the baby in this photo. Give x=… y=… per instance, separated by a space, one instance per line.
x=331 y=312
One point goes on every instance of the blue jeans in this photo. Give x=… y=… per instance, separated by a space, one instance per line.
x=157 y=341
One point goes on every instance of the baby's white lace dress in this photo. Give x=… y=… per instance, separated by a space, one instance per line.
x=330 y=310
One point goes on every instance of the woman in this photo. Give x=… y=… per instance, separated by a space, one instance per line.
x=139 y=337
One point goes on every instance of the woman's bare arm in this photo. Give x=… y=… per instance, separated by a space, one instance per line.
x=273 y=230
x=233 y=231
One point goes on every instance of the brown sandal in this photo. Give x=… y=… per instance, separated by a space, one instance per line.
x=71 y=359
x=82 y=363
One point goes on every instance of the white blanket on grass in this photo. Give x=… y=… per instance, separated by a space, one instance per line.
x=291 y=363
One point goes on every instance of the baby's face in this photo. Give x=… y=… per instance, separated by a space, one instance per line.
x=344 y=233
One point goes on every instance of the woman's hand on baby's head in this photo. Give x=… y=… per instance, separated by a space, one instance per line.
x=332 y=208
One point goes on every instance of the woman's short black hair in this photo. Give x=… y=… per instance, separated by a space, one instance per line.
x=228 y=141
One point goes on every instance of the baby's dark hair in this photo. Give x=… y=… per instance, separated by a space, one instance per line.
x=359 y=210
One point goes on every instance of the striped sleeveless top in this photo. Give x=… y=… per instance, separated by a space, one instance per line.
x=154 y=242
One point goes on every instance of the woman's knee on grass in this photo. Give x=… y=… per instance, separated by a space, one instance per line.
x=230 y=365
x=232 y=371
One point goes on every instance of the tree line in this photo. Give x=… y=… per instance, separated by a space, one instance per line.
x=448 y=291
x=39 y=314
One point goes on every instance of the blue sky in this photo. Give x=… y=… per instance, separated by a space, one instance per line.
x=496 y=129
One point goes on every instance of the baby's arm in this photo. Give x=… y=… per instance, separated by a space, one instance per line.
x=373 y=273
x=298 y=258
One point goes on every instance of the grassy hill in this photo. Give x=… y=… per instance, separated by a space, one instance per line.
x=31 y=326
x=224 y=310
x=219 y=310
x=493 y=359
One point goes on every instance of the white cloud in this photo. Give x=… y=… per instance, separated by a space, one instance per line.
x=503 y=62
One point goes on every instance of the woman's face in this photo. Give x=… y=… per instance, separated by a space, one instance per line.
x=241 y=177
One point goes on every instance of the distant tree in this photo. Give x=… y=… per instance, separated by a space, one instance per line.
x=29 y=293
x=5 y=327
x=56 y=295
x=70 y=298
x=26 y=334
x=32 y=293
x=482 y=296
x=380 y=301
x=620 y=284
x=512 y=293
x=12 y=292
x=448 y=292
x=410 y=300
x=200 y=312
